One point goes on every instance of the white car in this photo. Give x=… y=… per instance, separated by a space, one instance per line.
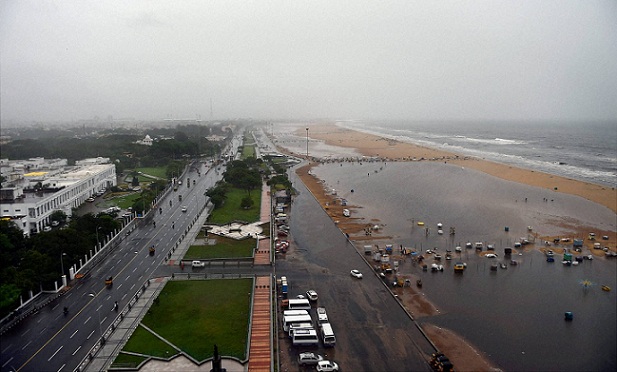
x=184 y=208
x=491 y=255
x=356 y=274
x=326 y=366
x=198 y=264
x=309 y=358
x=311 y=295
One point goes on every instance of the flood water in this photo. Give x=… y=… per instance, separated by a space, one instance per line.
x=514 y=315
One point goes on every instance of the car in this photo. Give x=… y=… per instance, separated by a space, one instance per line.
x=184 y=208
x=356 y=274
x=90 y=200
x=326 y=366
x=311 y=295
x=55 y=223
x=491 y=255
x=47 y=229
x=308 y=358
x=198 y=264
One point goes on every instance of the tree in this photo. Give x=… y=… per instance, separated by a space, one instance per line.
x=58 y=216
x=246 y=203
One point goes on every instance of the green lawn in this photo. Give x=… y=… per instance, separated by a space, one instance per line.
x=195 y=315
x=127 y=361
x=142 y=339
x=156 y=172
x=231 y=210
x=248 y=151
x=123 y=201
x=224 y=248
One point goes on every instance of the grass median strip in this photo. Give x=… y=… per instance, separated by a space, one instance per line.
x=224 y=248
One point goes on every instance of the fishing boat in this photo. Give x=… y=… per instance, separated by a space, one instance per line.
x=606 y=288
x=420 y=223
x=504 y=266
x=458 y=249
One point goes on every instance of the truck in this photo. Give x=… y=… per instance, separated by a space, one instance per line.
x=368 y=249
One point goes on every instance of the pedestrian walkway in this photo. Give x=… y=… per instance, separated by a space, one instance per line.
x=263 y=255
x=260 y=352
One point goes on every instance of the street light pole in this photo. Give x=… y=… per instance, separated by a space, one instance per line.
x=98 y=312
x=307 y=143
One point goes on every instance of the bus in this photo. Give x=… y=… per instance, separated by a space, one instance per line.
x=328 y=334
x=291 y=319
x=305 y=337
x=299 y=304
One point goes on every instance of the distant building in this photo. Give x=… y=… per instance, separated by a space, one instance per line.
x=35 y=188
x=147 y=141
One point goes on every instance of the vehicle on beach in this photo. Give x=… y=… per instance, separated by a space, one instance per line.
x=346 y=212
x=311 y=295
x=491 y=255
x=356 y=274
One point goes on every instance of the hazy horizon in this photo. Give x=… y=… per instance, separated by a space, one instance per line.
x=392 y=60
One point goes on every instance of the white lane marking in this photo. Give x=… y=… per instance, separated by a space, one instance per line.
x=23 y=334
x=26 y=345
x=62 y=366
x=127 y=278
x=133 y=286
x=76 y=350
x=7 y=362
x=123 y=297
x=87 y=320
x=74 y=333
x=99 y=308
x=51 y=357
x=90 y=335
x=119 y=286
x=43 y=330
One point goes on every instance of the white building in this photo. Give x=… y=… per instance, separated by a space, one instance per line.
x=29 y=199
x=147 y=141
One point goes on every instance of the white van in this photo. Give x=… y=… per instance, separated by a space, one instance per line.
x=322 y=316
x=295 y=319
x=305 y=337
x=299 y=304
x=295 y=312
x=296 y=326
x=328 y=334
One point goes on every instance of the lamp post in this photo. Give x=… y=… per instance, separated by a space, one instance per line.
x=307 y=143
x=99 y=316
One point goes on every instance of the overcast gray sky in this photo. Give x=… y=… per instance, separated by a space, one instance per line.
x=417 y=60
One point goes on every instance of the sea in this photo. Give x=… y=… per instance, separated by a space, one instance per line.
x=516 y=315
x=585 y=151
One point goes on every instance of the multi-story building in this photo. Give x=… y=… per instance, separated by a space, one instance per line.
x=33 y=189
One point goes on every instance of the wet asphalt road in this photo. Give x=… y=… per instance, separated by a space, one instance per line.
x=373 y=332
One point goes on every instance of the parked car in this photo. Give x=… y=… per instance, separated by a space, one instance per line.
x=308 y=358
x=198 y=264
x=311 y=295
x=90 y=200
x=326 y=366
x=356 y=274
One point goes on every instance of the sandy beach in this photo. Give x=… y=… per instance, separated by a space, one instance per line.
x=373 y=146
x=464 y=356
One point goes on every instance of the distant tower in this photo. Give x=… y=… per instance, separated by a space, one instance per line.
x=210 y=108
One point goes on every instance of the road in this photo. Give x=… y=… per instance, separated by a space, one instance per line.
x=51 y=341
x=372 y=330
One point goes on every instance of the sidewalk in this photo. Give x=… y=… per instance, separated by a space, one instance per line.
x=263 y=255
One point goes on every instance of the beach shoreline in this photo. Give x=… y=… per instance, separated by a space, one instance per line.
x=370 y=145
